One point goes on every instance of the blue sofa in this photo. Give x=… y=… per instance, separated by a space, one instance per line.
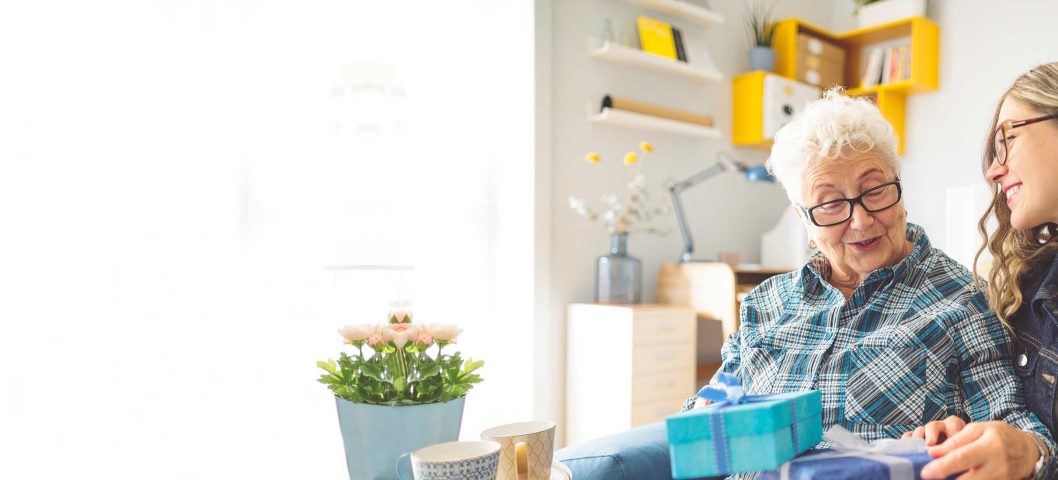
x=638 y=454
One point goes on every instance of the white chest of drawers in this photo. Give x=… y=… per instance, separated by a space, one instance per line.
x=626 y=366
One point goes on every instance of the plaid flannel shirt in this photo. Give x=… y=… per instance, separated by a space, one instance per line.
x=915 y=342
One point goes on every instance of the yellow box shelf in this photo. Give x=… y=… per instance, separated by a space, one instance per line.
x=765 y=102
x=921 y=34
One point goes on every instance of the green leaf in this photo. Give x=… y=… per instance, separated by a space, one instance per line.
x=429 y=370
x=372 y=371
x=471 y=365
x=329 y=366
x=329 y=379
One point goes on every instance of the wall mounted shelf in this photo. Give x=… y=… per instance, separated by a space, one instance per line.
x=617 y=53
x=621 y=118
x=919 y=33
x=685 y=10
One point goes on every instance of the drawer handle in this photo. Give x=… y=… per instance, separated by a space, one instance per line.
x=665 y=355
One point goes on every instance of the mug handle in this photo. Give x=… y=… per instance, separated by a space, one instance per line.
x=521 y=456
x=404 y=471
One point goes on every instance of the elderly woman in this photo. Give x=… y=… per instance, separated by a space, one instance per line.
x=890 y=330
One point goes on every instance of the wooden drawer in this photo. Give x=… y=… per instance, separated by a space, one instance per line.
x=681 y=357
x=652 y=328
x=650 y=387
x=656 y=411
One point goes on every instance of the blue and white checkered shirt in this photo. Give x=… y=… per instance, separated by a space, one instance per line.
x=915 y=342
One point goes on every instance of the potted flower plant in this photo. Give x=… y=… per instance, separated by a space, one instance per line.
x=397 y=390
x=760 y=25
x=876 y=12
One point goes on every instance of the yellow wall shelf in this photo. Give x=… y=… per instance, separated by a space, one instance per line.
x=921 y=34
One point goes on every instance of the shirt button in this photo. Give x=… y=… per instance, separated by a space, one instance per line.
x=1023 y=360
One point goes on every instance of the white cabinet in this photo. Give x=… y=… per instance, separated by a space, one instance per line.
x=626 y=365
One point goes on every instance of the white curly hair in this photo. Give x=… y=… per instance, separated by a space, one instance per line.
x=828 y=130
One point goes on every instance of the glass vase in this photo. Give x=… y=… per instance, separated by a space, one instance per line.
x=618 y=277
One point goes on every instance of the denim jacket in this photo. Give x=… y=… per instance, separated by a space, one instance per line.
x=1036 y=347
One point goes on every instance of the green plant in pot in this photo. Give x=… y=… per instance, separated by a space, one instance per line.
x=400 y=388
x=760 y=25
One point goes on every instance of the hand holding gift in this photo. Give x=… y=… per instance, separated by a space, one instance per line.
x=989 y=449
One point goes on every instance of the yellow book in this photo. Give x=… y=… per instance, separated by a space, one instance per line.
x=656 y=37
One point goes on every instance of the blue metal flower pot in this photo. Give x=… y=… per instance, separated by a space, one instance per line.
x=762 y=58
x=376 y=435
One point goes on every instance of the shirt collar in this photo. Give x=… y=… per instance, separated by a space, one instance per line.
x=817 y=271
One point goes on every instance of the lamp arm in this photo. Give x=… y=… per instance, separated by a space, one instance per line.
x=681 y=221
x=675 y=188
x=710 y=172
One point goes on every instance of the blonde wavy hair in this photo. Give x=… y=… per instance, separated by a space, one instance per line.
x=1015 y=251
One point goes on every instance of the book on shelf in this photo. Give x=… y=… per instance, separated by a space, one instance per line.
x=681 y=49
x=656 y=37
x=886 y=65
x=872 y=69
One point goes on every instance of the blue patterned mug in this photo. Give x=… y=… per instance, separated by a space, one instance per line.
x=445 y=461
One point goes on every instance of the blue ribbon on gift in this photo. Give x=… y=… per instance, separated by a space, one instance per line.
x=727 y=391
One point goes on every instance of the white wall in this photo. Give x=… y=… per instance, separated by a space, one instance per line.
x=725 y=213
x=984 y=46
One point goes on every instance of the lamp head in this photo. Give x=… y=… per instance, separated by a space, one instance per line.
x=758 y=173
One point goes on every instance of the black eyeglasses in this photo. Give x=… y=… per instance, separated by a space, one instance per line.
x=1002 y=135
x=873 y=200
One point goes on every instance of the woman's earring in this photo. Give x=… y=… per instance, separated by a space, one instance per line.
x=812 y=244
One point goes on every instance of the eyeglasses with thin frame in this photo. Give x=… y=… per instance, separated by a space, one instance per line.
x=872 y=200
x=1002 y=135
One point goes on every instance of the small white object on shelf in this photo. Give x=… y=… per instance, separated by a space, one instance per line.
x=878 y=13
x=621 y=118
x=615 y=52
x=682 y=9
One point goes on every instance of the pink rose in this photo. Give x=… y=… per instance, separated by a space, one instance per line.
x=374 y=339
x=356 y=333
x=426 y=339
x=401 y=333
x=400 y=316
x=443 y=331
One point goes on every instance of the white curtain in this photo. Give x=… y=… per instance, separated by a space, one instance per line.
x=176 y=177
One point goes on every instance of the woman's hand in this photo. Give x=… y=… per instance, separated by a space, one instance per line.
x=984 y=450
x=938 y=431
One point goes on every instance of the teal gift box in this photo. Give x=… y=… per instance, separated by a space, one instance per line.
x=748 y=434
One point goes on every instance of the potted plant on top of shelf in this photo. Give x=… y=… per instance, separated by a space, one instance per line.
x=876 y=12
x=760 y=26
